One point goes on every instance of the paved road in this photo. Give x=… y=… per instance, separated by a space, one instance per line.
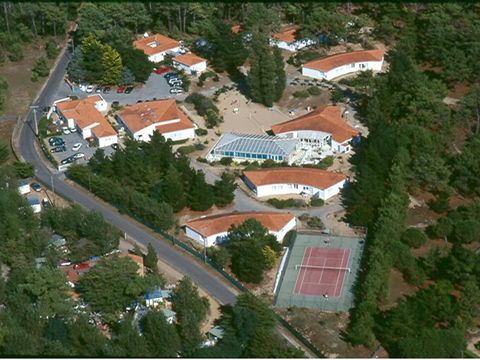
x=180 y=261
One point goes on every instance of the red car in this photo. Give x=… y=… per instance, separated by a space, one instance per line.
x=121 y=89
x=81 y=266
x=161 y=70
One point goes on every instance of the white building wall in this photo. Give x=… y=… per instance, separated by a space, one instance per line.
x=220 y=238
x=161 y=55
x=24 y=189
x=344 y=147
x=105 y=141
x=342 y=70
x=296 y=189
x=198 y=68
x=180 y=135
x=86 y=133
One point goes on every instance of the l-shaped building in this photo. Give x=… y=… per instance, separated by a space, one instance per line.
x=316 y=183
x=322 y=127
x=213 y=230
x=333 y=66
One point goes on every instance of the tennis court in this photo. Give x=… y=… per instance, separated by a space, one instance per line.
x=320 y=272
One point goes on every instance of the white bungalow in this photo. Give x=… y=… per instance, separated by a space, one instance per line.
x=35 y=204
x=212 y=230
x=24 y=186
x=85 y=115
x=337 y=65
x=156 y=46
x=316 y=183
x=143 y=119
x=286 y=39
x=190 y=63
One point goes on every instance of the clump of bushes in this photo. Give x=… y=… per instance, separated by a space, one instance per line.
x=414 y=238
x=41 y=69
x=301 y=94
x=201 y=132
x=302 y=58
x=317 y=202
x=314 y=90
x=226 y=161
x=287 y=203
x=440 y=203
x=206 y=108
x=204 y=76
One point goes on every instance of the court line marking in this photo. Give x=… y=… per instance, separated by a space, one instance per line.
x=338 y=275
x=299 y=273
x=305 y=270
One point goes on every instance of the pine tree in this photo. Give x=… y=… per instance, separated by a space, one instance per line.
x=262 y=78
x=201 y=194
x=92 y=51
x=281 y=82
x=112 y=65
x=151 y=259
x=172 y=189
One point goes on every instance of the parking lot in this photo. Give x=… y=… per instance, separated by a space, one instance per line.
x=155 y=87
x=71 y=140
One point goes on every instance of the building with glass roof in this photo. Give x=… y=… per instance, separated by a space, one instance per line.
x=241 y=147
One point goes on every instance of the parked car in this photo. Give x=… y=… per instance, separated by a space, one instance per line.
x=78 y=156
x=121 y=89
x=115 y=146
x=46 y=203
x=55 y=139
x=36 y=186
x=99 y=89
x=65 y=130
x=129 y=89
x=106 y=89
x=176 y=90
x=90 y=88
x=72 y=129
x=58 y=142
x=67 y=160
x=161 y=70
x=56 y=149
x=115 y=104
x=175 y=82
x=76 y=146
x=81 y=266
x=170 y=74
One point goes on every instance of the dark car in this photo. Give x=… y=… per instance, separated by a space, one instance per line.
x=35 y=186
x=106 y=89
x=68 y=160
x=129 y=89
x=115 y=104
x=57 y=149
x=55 y=139
x=57 y=142
x=170 y=75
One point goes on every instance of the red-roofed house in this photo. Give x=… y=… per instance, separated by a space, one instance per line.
x=282 y=181
x=142 y=119
x=286 y=39
x=190 y=63
x=212 y=230
x=322 y=127
x=85 y=115
x=337 y=65
x=156 y=46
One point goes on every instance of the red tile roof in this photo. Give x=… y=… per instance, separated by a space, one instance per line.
x=287 y=34
x=85 y=115
x=321 y=179
x=216 y=224
x=236 y=28
x=331 y=62
x=189 y=59
x=326 y=118
x=160 y=44
x=142 y=115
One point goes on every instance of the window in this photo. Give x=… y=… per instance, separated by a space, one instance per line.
x=295 y=186
x=353 y=65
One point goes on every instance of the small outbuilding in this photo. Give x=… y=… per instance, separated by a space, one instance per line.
x=190 y=63
x=24 y=186
x=35 y=203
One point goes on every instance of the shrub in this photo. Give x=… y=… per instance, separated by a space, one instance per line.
x=315 y=222
x=199 y=146
x=466 y=231
x=314 y=90
x=288 y=203
x=439 y=204
x=15 y=52
x=289 y=238
x=212 y=119
x=202 y=160
x=303 y=94
x=317 y=202
x=414 y=237
x=219 y=256
x=41 y=69
x=201 y=103
x=201 y=132
x=52 y=49
x=184 y=150
x=302 y=58
x=226 y=161
x=442 y=228
x=325 y=162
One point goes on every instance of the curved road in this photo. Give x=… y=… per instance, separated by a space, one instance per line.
x=182 y=262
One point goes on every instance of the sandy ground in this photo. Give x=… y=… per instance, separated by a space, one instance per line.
x=251 y=118
x=172 y=276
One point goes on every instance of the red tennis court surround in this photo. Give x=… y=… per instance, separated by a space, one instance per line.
x=322 y=272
